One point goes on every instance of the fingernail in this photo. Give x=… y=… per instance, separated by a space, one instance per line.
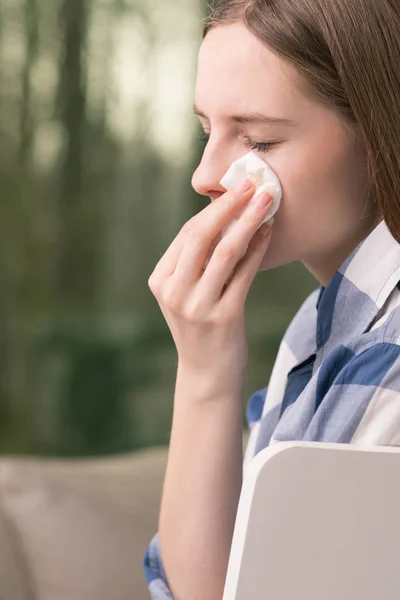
x=264 y=200
x=244 y=186
x=271 y=221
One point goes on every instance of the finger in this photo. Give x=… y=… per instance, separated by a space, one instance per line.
x=237 y=288
x=232 y=202
x=230 y=250
x=214 y=244
x=207 y=225
x=167 y=263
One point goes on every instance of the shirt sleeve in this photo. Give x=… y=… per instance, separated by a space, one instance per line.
x=152 y=560
x=255 y=407
x=154 y=571
x=254 y=413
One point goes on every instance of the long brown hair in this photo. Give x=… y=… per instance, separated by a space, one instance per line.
x=348 y=52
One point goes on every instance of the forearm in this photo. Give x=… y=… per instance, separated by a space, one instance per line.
x=201 y=490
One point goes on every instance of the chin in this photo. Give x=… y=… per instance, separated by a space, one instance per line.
x=278 y=255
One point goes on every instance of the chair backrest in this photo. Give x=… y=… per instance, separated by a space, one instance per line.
x=318 y=521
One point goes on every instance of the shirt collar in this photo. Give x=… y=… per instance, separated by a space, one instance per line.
x=359 y=289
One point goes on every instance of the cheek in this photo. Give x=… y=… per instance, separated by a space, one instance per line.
x=323 y=198
x=322 y=184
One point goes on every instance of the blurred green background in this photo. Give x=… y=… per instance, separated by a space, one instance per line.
x=98 y=143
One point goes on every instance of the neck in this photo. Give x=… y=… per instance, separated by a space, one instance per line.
x=324 y=269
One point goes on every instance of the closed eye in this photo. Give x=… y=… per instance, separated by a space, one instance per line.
x=262 y=147
x=259 y=146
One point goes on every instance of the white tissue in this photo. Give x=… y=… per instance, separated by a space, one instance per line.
x=252 y=167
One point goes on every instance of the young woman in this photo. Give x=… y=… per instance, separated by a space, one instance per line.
x=313 y=87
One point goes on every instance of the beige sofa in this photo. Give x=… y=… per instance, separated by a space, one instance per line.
x=78 y=530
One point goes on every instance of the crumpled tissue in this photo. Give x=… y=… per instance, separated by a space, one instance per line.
x=251 y=167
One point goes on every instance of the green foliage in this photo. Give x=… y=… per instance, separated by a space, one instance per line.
x=91 y=197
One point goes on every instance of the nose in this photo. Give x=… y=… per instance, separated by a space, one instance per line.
x=213 y=166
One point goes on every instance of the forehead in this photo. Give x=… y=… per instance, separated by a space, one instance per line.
x=235 y=70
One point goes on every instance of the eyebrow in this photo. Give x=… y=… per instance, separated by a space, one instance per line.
x=250 y=118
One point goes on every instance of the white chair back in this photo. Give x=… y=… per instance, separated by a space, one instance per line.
x=318 y=521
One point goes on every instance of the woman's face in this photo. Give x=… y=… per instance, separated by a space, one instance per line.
x=323 y=214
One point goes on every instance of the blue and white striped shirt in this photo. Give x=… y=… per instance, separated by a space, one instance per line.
x=337 y=373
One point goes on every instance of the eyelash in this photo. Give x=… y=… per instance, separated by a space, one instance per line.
x=262 y=147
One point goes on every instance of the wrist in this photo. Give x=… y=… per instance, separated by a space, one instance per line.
x=208 y=386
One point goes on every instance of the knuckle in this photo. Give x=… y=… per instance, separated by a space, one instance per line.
x=224 y=315
x=225 y=252
x=171 y=300
x=196 y=310
x=153 y=282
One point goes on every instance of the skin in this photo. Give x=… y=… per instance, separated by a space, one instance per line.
x=325 y=193
x=325 y=211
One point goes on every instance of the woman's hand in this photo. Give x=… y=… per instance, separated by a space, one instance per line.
x=205 y=307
